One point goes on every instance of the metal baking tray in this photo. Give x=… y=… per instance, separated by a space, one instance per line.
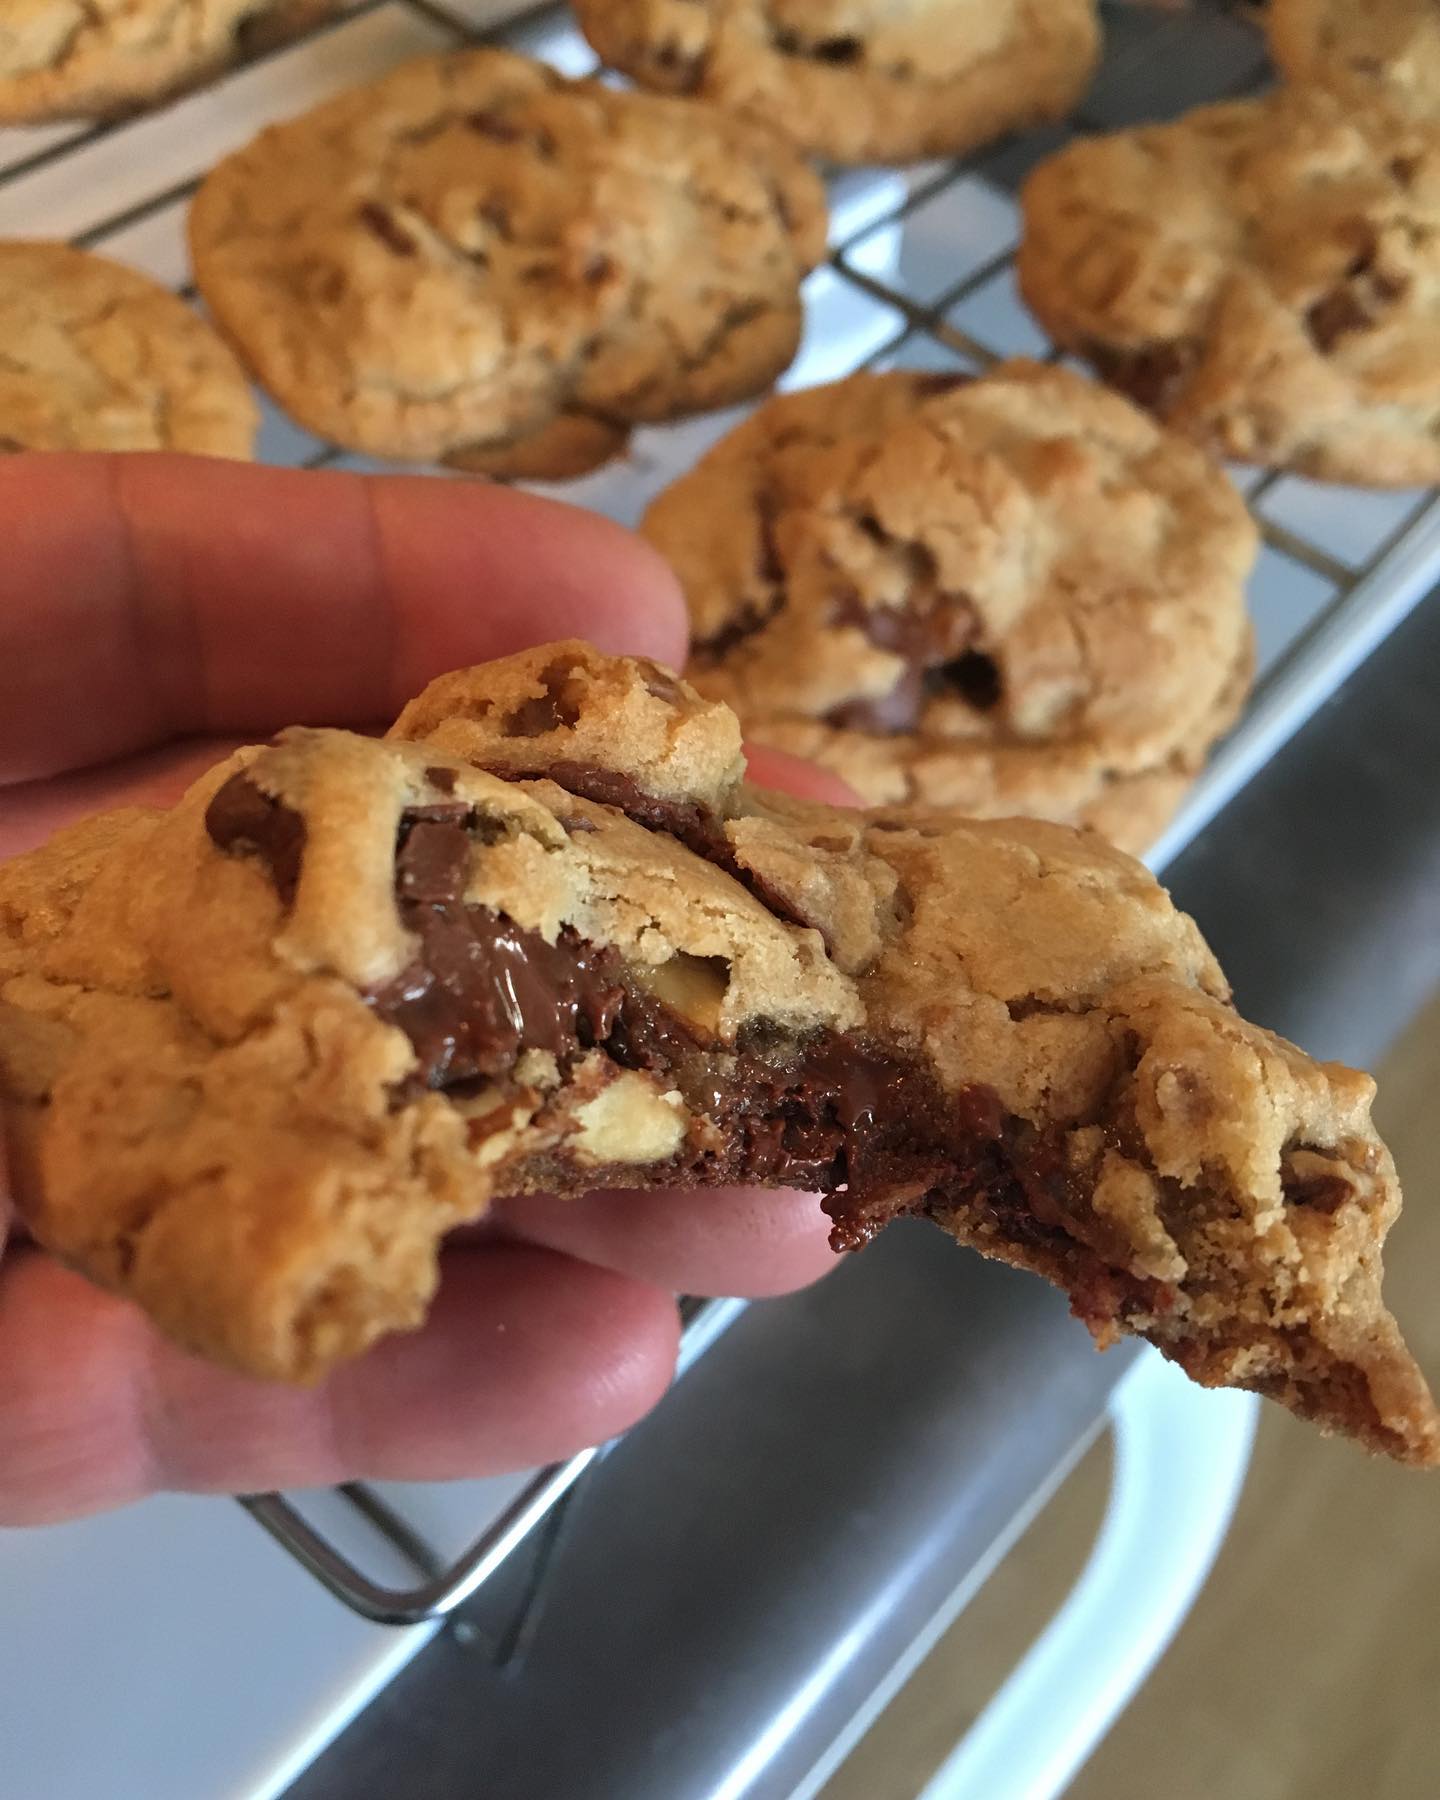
x=920 y=275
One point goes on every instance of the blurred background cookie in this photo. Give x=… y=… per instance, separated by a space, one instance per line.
x=81 y=59
x=1265 y=274
x=96 y=357
x=476 y=261
x=861 y=80
x=1366 y=48
x=1012 y=594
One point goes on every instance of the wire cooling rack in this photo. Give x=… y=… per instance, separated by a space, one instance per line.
x=920 y=275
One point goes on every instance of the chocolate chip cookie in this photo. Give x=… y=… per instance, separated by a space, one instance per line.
x=87 y=59
x=260 y=1052
x=861 y=80
x=1265 y=274
x=477 y=261
x=1381 y=48
x=94 y=356
x=1013 y=594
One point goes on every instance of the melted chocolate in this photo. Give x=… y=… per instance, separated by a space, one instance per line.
x=482 y=989
x=934 y=635
x=694 y=825
x=242 y=816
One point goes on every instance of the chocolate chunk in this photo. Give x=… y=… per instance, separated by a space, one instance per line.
x=840 y=51
x=929 y=630
x=694 y=825
x=433 y=862
x=931 y=633
x=940 y=381
x=884 y=714
x=1334 y=316
x=1321 y=1192
x=546 y=712
x=444 y=779
x=682 y=67
x=975 y=677
x=752 y=616
x=496 y=127
x=384 y=226
x=242 y=816
x=661 y=684
x=1153 y=376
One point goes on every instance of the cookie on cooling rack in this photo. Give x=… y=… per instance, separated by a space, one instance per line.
x=476 y=261
x=1367 y=49
x=856 y=80
x=1012 y=594
x=98 y=357
x=69 y=59
x=1264 y=274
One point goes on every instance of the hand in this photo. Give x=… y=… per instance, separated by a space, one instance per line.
x=153 y=611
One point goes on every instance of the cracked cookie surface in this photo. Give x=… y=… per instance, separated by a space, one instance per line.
x=861 y=80
x=1387 y=49
x=474 y=260
x=1264 y=274
x=1009 y=594
x=86 y=59
x=260 y=1052
x=94 y=356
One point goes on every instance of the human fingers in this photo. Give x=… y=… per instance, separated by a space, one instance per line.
x=730 y=1240
x=527 y=1356
x=149 y=597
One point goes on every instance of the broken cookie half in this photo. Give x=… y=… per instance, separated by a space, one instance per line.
x=260 y=1052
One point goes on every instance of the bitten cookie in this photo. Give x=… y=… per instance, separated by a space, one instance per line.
x=1013 y=594
x=1265 y=274
x=477 y=261
x=94 y=356
x=1367 y=49
x=86 y=59
x=861 y=80
x=260 y=1052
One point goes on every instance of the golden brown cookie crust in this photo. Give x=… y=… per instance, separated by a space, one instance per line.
x=861 y=80
x=1008 y=594
x=474 y=260
x=1367 y=49
x=1265 y=274
x=98 y=357
x=89 y=59
x=259 y=1053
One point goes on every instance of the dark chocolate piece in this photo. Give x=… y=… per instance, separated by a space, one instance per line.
x=1152 y=377
x=241 y=815
x=387 y=228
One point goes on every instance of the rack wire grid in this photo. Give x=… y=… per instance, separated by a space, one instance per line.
x=920 y=275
